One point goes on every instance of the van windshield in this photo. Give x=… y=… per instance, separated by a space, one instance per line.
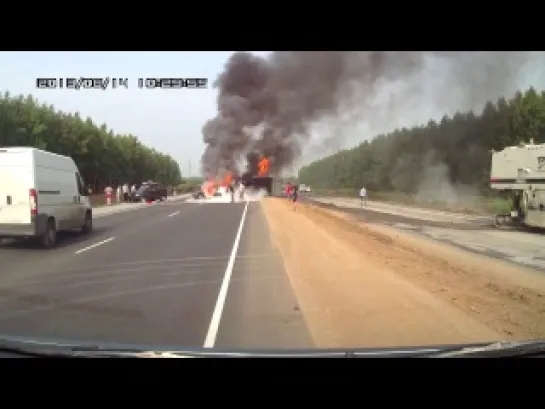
x=143 y=188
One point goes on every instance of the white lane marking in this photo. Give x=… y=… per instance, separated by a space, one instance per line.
x=173 y=214
x=100 y=243
x=212 y=333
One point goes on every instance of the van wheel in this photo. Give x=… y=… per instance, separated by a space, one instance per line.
x=49 y=239
x=88 y=224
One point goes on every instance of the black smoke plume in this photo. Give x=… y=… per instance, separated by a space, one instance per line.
x=266 y=105
x=252 y=162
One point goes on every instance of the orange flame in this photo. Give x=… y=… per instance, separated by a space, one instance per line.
x=212 y=184
x=263 y=166
x=209 y=188
x=228 y=178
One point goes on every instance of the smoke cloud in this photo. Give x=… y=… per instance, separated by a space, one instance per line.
x=270 y=106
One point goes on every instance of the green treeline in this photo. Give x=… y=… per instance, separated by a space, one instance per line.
x=456 y=149
x=102 y=157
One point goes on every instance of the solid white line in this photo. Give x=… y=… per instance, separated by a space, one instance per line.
x=94 y=245
x=173 y=214
x=212 y=333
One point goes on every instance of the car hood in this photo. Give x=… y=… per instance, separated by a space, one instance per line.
x=70 y=348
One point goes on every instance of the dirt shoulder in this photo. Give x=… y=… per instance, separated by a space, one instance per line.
x=480 y=206
x=363 y=285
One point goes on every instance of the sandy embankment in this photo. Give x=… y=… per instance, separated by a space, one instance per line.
x=367 y=285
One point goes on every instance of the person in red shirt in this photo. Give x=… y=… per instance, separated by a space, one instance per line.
x=289 y=190
x=108 y=191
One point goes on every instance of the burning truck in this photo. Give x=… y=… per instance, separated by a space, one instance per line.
x=254 y=179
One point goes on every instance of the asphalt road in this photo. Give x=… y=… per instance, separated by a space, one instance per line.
x=472 y=233
x=180 y=274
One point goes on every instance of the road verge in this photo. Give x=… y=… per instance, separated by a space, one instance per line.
x=103 y=211
x=359 y=286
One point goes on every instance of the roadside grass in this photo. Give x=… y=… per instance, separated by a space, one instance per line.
x=471 y=205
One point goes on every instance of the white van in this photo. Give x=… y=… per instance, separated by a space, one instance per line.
x=41 y=193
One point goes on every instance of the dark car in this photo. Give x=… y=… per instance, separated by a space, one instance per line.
x=150 y=191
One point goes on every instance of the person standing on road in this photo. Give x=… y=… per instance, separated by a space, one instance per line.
x=125 y=192
x=108 y=191
x=118 y=193
x=363 y=196
x=231 y=190
x=295 y=196
x=133 y=192
x=289 y=189
x=241 y=191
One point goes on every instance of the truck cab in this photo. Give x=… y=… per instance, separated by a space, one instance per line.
x=520 y=172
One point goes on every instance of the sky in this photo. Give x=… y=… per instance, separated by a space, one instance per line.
x=167 y=120
x=171 y=120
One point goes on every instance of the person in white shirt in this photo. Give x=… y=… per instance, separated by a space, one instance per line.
x=363 y=196
x=125 y=190
x=241 y=191
x=118 y=194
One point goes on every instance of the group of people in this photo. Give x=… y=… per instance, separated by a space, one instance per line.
x=292 y=192
x=122 y=191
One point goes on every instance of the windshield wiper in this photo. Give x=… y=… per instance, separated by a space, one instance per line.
x=40 y=350
x=203 y=353
x=525 y=349
x=113 y=353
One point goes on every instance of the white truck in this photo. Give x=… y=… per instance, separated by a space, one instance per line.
x=41 y=193
x=520 y=171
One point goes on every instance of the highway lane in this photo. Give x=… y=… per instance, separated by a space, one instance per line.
x=261 y=310
x=19 y=260
x=153 y=276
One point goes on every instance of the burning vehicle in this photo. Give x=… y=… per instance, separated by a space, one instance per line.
x=258 y=179
x=261 y=180
x=214 y=188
